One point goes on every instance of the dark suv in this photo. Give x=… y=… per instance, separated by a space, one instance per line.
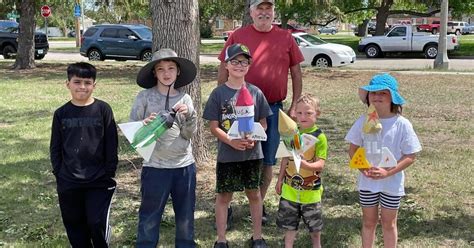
x=9 y=41
x=117 y=41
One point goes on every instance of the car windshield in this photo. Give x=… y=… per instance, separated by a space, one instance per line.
x=145 y=33
x=313 y=40
x=8 y=26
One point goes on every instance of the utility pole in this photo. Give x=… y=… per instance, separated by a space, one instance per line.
x=77 y=15
x=442 y=61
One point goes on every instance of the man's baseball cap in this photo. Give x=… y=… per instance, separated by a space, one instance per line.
x=255 y=3
x=235 y=50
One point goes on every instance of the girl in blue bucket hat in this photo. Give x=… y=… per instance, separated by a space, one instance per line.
x=381 y=189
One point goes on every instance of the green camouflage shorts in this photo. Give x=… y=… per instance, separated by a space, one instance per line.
x=238 y=176
x=289 y=214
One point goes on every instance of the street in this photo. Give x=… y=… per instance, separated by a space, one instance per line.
x=389 y=64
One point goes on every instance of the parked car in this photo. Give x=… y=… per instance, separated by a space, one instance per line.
x=322 y=54
x=455 y=27
x=430 y=28
x=72 y=33
x=117 y=41
x=402 y=39
x=468 y=29
x=291 y=29
x=9 y=41
x=328 y=30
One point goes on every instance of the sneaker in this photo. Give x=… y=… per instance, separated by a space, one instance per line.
x=258 y=243
x=230 y=218
x=221 y=245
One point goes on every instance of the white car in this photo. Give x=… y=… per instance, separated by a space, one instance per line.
x=322 y=54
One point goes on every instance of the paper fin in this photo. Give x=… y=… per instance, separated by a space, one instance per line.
x=129 y=129
x=297 y=160
x=388 y=160
x=359 y=161
x=282 y=152
x=257 y=134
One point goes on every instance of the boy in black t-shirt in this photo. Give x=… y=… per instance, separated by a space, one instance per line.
x=84 y=158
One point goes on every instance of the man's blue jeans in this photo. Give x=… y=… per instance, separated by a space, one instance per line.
x=157 y=186
x=270 y=146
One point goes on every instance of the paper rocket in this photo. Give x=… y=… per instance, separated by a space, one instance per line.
x=293 y=143
x=143 y=138
x=245 y=126
x=372 y=153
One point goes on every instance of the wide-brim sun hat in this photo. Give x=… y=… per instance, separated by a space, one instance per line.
x=382 y=82
x=187 y=70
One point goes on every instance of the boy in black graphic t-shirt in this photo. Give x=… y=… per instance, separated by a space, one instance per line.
x=84 y=158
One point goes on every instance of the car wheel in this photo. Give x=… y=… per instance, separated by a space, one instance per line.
x=431 y=51
x=372 y=51
x=322 y=61
x=39 y=56
x=434 y=31
x=146 y=55
x=95 y=55
x=8 y=52
x=458 y=32
x=333 y=32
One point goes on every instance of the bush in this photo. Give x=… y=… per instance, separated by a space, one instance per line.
x=206 y=31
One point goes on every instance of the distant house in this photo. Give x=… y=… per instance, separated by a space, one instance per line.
x=222 y=24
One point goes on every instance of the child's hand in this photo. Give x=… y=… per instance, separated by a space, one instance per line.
x=365 y=172
x=239 y=144
x=181 y=108
x=278 y=186
x=250 y=143
x=149 y=119
x=377 y=173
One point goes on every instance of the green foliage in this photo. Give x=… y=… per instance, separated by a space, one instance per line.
x=206 y=31
x=210 y=10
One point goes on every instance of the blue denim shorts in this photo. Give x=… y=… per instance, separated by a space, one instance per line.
x=270 y=146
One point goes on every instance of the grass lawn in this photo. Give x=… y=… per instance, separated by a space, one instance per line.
x=438 y=210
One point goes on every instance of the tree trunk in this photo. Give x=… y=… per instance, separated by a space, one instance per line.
x=362 y=28
x=382 y=16
x=175 y=25
x=247 y=19
x=25 y=56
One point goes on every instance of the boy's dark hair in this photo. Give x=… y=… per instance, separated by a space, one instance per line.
x=82 y=70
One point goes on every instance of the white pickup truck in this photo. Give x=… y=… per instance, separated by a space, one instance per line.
x=402 y=39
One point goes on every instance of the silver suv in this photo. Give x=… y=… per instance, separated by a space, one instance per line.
x=117 y=41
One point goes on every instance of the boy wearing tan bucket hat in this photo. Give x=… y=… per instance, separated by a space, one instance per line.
x=171 y=170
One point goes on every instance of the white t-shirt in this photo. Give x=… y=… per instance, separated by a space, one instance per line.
x=400 y=138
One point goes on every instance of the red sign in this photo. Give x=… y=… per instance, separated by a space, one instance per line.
x=45 y=11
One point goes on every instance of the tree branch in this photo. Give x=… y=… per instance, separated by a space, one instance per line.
x=414 y=13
